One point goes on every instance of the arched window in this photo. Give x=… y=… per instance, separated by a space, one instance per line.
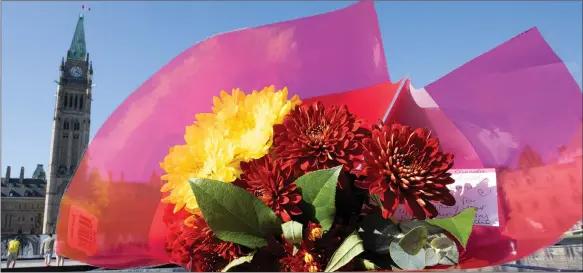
x=65 y=101
x=76 y=101
x=71 y=102
x=76 y=126
x=81 y=102
x=66 y=125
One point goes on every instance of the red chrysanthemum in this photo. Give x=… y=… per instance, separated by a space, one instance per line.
x=273 y=184
x=402 y=165
x=314 y=137
x=194 y=246
x=170 y=218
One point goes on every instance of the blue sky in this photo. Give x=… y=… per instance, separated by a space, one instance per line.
x=129 y=41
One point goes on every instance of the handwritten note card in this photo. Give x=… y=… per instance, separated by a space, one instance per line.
x=473 y=188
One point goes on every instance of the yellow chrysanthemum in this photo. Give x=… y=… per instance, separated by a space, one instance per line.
x=266 y=108
x=239 y=129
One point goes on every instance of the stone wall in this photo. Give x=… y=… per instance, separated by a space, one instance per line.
x=22 y=214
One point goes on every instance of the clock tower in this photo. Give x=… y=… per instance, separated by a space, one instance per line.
x=71 y=120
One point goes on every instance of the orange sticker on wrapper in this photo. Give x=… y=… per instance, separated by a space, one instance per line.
x=82 y=233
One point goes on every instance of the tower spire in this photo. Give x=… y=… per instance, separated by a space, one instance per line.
x=71 y=130
x=77 y=50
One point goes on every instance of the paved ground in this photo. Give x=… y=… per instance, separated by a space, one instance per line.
x=39 y=263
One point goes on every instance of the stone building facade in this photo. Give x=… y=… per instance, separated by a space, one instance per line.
x=23 y=202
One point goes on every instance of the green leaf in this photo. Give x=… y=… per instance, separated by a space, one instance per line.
x=375 y=198
x=414 y=240
x=295 y=250
x=292 y=232
x=408 y=225
x=460 y=226
x=239 y=261
x=450 y=257
x=350 y=248
x=368 y=265
x=378 y=233
x=431 y=257
x=233 y=214
x=405 y=261
x=443 y=244
x=319 y=190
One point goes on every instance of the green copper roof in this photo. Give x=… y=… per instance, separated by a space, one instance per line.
x=77 y=50
x=39 y=172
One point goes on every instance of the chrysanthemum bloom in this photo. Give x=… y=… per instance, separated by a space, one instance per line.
x=174 y=222
x=314 y=137
x=210 y=157
x=404 y=166
x=240 y=128
x=313 y=254
x=170 y=217
x=272 y=184
x=192 y=244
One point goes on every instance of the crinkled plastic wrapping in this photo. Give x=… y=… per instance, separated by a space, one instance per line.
x=521 y=110
x=110 y=215
x=515 y=108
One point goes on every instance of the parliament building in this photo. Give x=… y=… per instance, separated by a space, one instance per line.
x=30 y=205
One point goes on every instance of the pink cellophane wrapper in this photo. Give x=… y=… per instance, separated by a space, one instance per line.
x=110 y=213
x=515 y=108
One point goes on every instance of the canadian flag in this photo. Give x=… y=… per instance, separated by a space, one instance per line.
x=83 y=7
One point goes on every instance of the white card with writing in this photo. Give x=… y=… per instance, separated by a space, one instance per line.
x=473 y=188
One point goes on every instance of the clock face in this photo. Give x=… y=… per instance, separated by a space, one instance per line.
x=76 y=71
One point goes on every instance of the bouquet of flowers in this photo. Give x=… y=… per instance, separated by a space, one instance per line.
x=267 y=183
x=347 y=171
